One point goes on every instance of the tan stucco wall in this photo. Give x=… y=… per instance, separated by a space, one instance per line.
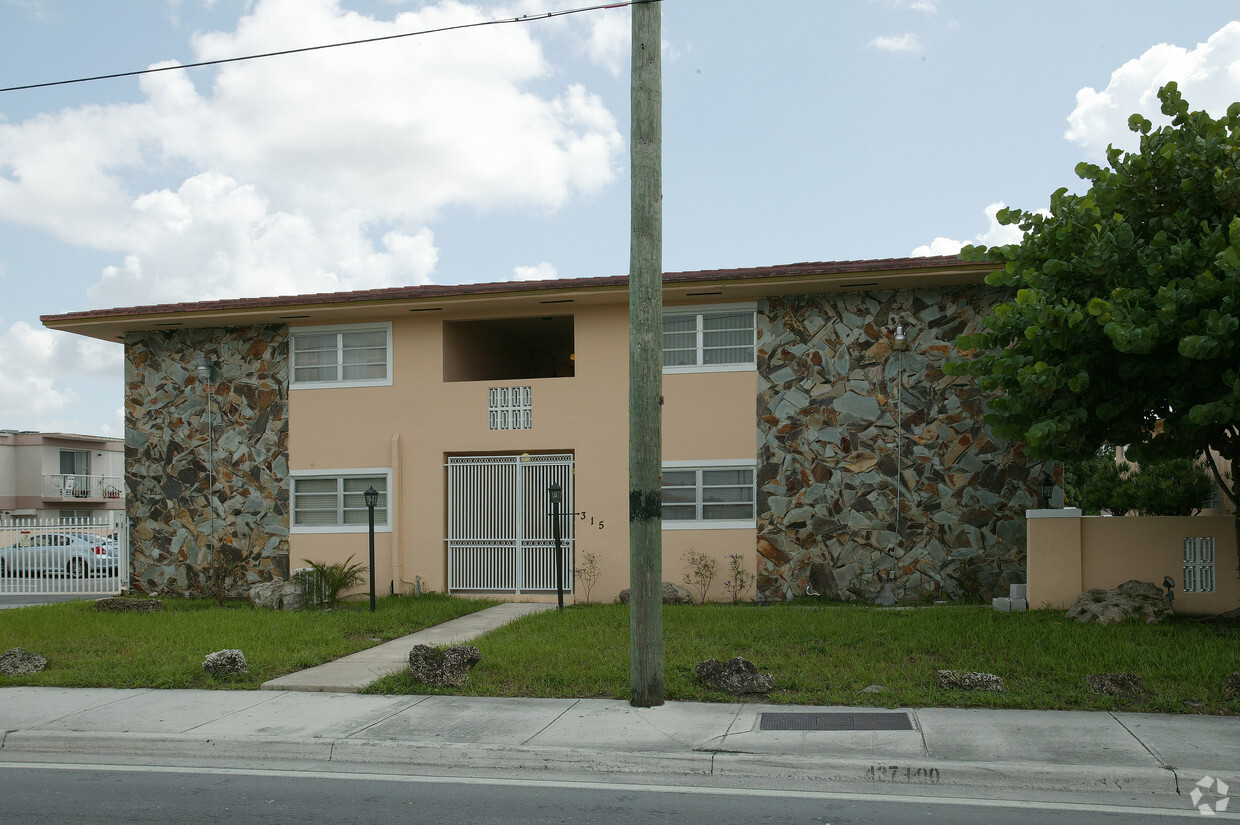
x=1070 y=555
x=1054 y=558
x=417 y=422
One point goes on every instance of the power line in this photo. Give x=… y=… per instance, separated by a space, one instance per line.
x=525 y=18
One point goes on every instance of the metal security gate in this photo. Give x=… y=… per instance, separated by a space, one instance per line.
x=51 y=557
x=499 y=523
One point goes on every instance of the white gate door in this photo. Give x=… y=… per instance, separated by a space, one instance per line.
x=499 y=523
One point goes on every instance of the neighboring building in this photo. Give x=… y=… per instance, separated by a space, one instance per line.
x=58 y=475
x=796 y=435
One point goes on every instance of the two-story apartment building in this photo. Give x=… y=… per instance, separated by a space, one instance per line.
x=808 y=428
x=60 y=475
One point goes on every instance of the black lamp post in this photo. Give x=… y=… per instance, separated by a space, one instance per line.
x=557 y=496
x=1047 y=487
x=372 y=498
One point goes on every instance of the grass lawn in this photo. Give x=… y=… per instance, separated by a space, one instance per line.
x=165 y=649
x=819 y=654
x=825 y=655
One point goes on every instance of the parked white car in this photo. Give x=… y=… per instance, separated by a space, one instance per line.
x=72 y=554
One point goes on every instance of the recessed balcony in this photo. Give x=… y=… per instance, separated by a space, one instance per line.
x=82 y=488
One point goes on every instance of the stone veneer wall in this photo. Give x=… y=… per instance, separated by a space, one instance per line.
x=841 y=416
x=167 y=449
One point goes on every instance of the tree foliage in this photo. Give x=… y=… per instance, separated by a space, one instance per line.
x=1123 y=328
x=1168 y=487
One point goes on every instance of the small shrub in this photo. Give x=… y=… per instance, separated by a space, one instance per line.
x=741 y=578
x=225 y=571
x=588 y=573
x=701 y=572
x=326 y=583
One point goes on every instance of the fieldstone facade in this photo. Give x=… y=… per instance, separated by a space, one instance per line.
x=841 y=417
x=173 y=503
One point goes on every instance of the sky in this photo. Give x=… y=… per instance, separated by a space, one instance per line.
x=793 y=130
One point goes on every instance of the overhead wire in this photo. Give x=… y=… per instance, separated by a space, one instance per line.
x=525 y=18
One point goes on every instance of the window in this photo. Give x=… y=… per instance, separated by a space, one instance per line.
x=719 y=495
x=337 y=503
x=709 y=339
x=75 y=462
x=1199 y=565
x=354 y=356
x=511 y=408
x=1215 y=501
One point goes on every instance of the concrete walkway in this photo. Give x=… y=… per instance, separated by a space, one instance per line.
x=356 y=671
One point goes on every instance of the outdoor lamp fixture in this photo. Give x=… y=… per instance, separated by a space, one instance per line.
x=205 y=368
x=1047 y=488
x=1169 y=583
x=372 y=498
x=899 y=342
x=556 y=493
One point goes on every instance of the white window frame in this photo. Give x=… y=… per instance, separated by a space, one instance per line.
x=710 y=309
x=339 y=475
x=385 y=327
x=715 y=524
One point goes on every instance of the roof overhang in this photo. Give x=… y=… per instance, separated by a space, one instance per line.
x=706 y=286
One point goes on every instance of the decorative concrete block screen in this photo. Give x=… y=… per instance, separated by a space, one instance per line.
x=179 y=509
x=842 y=417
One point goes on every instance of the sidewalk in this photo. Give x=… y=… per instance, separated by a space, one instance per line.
x=323 y=719
x=1048 y=750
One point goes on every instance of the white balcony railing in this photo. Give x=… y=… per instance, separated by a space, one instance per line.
x=64 y=486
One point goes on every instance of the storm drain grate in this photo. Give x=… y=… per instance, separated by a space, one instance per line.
x=836 y=721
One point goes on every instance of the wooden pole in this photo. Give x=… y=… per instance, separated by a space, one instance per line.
x=646 y=364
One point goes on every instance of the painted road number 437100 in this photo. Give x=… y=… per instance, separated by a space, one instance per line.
x=896 y=773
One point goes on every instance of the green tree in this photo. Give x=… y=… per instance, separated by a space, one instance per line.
x=1123 y=328
x=1166 y=487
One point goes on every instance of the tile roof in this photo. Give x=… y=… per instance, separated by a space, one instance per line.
x=398 y=293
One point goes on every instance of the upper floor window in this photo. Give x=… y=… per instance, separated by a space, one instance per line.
x=352 y=356
x=75 y=462
x=714 y=339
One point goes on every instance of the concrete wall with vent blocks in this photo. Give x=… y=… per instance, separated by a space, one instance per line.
x=1070 y=553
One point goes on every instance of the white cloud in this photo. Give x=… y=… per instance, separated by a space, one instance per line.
x=33 y=364
x=311 y=172
x=1208 y=76
x=542 y=272
x=995 y=235
x=242 y=246
x=897 y=43
x=610 y=43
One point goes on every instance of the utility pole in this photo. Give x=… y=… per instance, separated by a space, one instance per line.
x=646 y=363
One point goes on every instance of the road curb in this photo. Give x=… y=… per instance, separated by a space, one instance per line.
x=945 y=773
x=910 y=773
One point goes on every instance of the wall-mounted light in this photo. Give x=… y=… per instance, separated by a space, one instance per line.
x=899 y=342
x=1047 y=488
